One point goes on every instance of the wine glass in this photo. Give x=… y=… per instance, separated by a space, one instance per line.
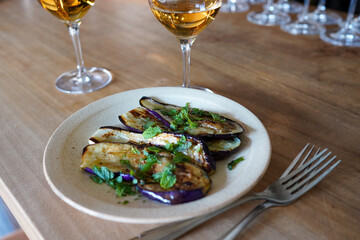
x=185 y=19
x=271 y=16
x=235 y=6
x=322 y=16
x=254 y=2
x=346 y=35
x=82 y=79
x=355 y=23
x=288 y=6
x=303 y=25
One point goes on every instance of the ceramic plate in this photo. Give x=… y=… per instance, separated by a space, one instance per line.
x=62 y=158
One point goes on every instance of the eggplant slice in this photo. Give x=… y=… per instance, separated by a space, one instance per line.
x=221 y=147
x=137 y=119
x=196 y=150
x=205 y=124
x=191 y=183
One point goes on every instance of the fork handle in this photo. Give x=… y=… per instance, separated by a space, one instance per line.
x=239 y=226
x=174 y=230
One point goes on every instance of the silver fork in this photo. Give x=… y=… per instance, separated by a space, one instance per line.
x=281 y=191
x=297 y=186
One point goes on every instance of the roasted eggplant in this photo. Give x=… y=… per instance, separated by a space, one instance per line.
x=222 y=147
x=192 y=121
x=139 y=118
x=188 y=182
x=190 y=146
x=192 y=183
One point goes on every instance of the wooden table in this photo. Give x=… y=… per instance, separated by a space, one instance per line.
x=303 y=90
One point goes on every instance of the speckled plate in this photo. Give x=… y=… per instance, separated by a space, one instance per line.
x=62 y=158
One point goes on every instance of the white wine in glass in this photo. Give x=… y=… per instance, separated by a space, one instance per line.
x=82 y=79
x=185 y=19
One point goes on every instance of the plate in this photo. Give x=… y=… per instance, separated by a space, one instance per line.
x=62 y=158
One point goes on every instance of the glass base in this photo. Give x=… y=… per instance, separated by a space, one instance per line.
x=325 y=17
x=303 y=27
x=236 y=6
x=268 y=18
x=289 y=7
x=342 y=37
x=199 y=88
x=94 y=79
x=254 y=2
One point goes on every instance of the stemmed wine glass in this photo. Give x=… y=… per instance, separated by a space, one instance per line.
x=235 y=6
x=185 y=19
x=82 y=79
x=355 y=23
x=271 y=16
x=303 y=25
x=322 y=16
x=346 y=35
x=288 y=6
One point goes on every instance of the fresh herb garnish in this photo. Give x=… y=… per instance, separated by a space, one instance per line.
x=217 y=118
x=103 y=174
x=166 y=178
x=233 y=163
x=169 y=112
x=180 y=158
x=151 y=132
x=136 y=151
x=150 y=160
x=181 y=145
x=182 y=120
x=148 y=124
x=154 y=149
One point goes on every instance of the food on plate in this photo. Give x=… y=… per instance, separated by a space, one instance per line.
x=167 y=153
x=162 y=175
x=190 y=146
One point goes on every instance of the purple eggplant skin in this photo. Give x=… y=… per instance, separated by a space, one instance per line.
x=125 y=176
x=207 y=126
x=186 y=189
x=198 y=152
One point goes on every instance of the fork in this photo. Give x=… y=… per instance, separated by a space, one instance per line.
x=287 y=188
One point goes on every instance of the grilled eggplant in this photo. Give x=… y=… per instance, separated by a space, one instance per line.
x=139 y=118
x=193 y=147
x=192 y=121
x=191 y=182
x=221 y=147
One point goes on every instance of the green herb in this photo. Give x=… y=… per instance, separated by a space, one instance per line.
x=97 y=179
x=182 y=120
x=125 y=202
x=148 y=124
x=151 y=132
x=197 y=112
x=103 y=174
x=166 y=178
x=232 y=164
x=181 y=145
x=154 y=149
x=169 y=112
x=136 y=151
x=180 y=158
x=217 y=118
x=150 y=160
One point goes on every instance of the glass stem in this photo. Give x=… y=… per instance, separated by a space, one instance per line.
x=74 y=34
x=321 y=6
x=350 y=14
x=186 y=50
x=304 y=14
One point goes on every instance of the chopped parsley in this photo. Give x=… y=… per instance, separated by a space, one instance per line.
x=231 y=165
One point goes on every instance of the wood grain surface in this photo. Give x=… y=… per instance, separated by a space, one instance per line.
x=302 y=89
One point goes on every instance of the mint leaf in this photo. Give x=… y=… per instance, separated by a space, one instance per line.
x=180 y=158
x=151 y=132
x=97 y=179
x=231 y=165
x=151 y=159
x=166 y=178
x=136 y=151
x=154 y=149
x=148 y=124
